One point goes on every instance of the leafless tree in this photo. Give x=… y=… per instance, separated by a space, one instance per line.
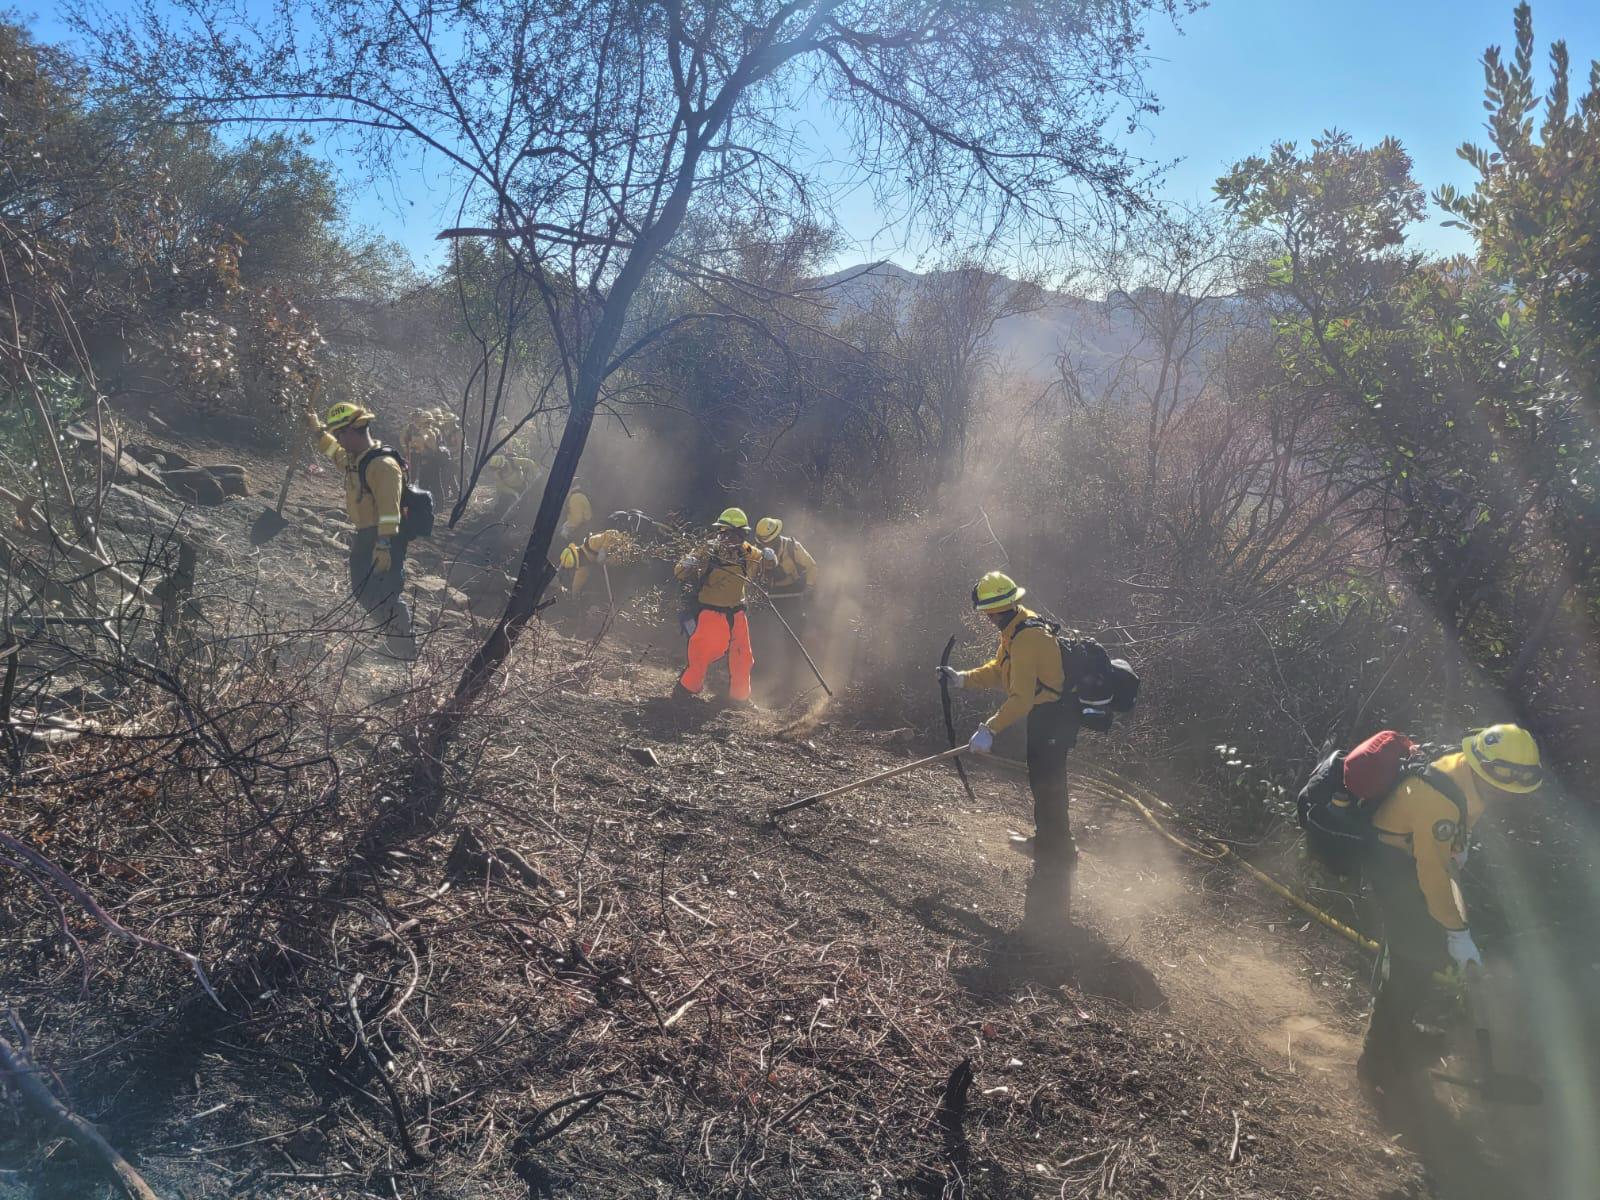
x=946 y=347
x=1170 y=276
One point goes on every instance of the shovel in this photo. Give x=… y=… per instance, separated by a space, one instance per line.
x=1494 y=1086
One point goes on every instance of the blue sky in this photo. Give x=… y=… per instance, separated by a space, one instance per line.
x=1240 y=75
x=1243 y=74
x=1246 y=73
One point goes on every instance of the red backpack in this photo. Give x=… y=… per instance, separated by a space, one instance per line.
x=1372 y=769
x=1345 y=789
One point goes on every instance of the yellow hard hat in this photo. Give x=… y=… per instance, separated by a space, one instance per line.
x=345 y=415
x=768 y=529
x=1505 y=757
x=996 y=592
x=732 y=518
x=569 y=559
x=498 y=463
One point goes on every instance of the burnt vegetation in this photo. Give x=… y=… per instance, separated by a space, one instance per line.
x=279 y=917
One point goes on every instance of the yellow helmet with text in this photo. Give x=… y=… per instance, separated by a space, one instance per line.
x=345 y=415
x=732 y=518
x=996 y=592
x=1505 y=757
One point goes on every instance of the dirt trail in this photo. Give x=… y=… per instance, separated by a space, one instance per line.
x=1226 y=962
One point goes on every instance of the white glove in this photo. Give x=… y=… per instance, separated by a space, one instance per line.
x=948 y=675
x=982 y=740
x=1460 y=858
x=562 y=532
x=687 y=625
x=600 y=557
x=1462 y=948
x=769 y=556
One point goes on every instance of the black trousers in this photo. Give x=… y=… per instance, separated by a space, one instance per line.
x=1414 y=948
x=1052 y=732
x=381 y=593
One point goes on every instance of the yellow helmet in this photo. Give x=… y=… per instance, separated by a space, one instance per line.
x=498 y=463
x=569 y=559
x=768 y=529
x=996 y=592
x=1505 y=757
x=732 y=518
x=345 y=415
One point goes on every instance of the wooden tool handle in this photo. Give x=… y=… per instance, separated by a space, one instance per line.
x=808 y=801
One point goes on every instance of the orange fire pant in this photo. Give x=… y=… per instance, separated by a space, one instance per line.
x=715 y=634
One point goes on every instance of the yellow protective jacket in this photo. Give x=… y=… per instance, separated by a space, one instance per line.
x=378 y=504
x=793 y=565
x=1027 y=666
x=724 y=585
x=1424 y=823
x=418 y=441
x=612 y=541
x=515 y=477
x=578 y=512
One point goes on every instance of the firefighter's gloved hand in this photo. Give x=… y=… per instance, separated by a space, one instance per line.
x=563 y=531
x=769 y=556
x=949 y=675
x=982 y=740
x=312 y=421
x=1462 y=948
x=1460 y=858
x=382 y=557
x=687 y=625
x=601 y=554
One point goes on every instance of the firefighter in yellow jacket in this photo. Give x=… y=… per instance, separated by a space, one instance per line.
x=1027 y=666
x=715 y=621
x=790 y=583
x=577 y=513
x=514 y=479
x=1422 y=832
x=592 y=551
x=795 y=569
x=374 y=481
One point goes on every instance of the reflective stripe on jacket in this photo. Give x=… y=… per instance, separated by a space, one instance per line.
x=376 y=505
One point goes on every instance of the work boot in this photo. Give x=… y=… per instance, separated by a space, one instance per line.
x=402 y=647
x=682 y=695
x=1386 y=1081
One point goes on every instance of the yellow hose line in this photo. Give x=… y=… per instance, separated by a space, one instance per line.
x=1218 y=853
x=1304 y=905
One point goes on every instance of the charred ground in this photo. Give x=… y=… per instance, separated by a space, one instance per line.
x=588 y=964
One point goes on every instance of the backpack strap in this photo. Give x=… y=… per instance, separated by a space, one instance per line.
x=1053 y=628
x=380 y=452
x=1445 y=786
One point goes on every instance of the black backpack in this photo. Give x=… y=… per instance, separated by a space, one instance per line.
x=1339 y=830
x=1100 y=684
x=416 y=504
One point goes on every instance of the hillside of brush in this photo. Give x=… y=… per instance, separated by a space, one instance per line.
x=585 y=962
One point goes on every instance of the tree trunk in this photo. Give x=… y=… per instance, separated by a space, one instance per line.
x=533 y=576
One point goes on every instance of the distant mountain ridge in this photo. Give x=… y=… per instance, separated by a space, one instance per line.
x=1095 y=333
